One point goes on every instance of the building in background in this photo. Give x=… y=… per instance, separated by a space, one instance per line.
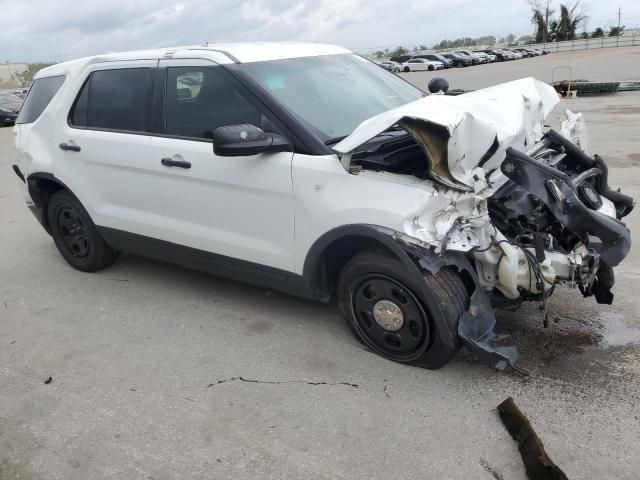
x=7 y=71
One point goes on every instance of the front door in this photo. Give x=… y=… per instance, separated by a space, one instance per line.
x=236 y=207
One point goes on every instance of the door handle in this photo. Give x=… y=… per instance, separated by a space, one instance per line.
x=69 y=147
x=170 y=162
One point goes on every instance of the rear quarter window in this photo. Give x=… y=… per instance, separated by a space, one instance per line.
x=39 y=96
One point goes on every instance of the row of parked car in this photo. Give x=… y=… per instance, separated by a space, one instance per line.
x=458 y=58
x=10 y=105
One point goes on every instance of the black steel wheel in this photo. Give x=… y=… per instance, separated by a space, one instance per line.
x=389 y=317
x=401 y=313
x=71 y=228
x=76 y=236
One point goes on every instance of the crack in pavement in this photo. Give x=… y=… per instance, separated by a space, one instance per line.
x=489 y=469
x=250 y=380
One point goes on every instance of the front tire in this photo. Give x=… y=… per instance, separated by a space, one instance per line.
x=76 y=236
x=430 y=68
x=407 y=69
x=388 y=311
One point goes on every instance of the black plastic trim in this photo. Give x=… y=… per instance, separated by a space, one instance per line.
x=624 y=204
x=537 y=178
x=242 y=270
x=19 y=173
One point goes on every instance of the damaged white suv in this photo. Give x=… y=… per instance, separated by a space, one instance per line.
x=309 y=169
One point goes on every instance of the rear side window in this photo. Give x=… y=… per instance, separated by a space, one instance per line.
x=40 y=94
x=115 y=100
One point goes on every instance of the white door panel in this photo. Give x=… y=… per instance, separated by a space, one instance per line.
x=241 y=207
x=116 y=177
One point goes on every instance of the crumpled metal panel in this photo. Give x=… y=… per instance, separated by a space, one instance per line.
x=512 y=112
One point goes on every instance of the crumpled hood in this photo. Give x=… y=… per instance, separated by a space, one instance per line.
x=467 y=131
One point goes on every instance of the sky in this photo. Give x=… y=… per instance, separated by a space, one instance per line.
x=58 y=30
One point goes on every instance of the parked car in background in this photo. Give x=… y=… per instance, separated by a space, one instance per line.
x=458 y=60
x=394 y=67
x=421 y=64
x=498 y=56
x=18 y=92
x=482 y=57
x=401 y=58
x=436 y=57
x=10 y=105
x=507 y=54
x=525 y=52
x=474 y=60
x=492 y=58
x=517 y=54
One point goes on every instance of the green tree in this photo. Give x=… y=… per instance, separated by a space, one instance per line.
x=571 y=17
x=541 y=13
x=616 y=31
x=553 y=31
x=598 y=32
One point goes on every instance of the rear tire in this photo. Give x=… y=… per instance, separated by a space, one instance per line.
x=407 y=69
x=76 y=236
x=384 y=306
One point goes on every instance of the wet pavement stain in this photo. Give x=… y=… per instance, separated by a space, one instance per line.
x=594 y=346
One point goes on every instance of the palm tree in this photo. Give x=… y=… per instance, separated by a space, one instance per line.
x=541 y=13
x=571 y=17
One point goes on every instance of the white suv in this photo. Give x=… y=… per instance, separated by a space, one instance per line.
x=308 y=169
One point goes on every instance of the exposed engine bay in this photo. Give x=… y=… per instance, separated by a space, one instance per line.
x=529 y=209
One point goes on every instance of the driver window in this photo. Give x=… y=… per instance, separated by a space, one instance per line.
x=198 y=100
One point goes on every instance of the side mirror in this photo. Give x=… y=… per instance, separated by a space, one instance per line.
x=246 y=139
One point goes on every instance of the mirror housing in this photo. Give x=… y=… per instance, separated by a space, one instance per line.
x=246 y=139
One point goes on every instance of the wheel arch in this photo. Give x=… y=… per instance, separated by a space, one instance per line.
x=42 y=185
x=330 y=252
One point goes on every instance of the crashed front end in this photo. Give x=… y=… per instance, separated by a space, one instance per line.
x=522 y=209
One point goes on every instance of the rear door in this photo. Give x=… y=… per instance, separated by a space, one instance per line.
x=104 y=154
x=240 y=208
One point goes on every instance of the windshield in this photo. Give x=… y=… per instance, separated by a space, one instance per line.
x=332 y=94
